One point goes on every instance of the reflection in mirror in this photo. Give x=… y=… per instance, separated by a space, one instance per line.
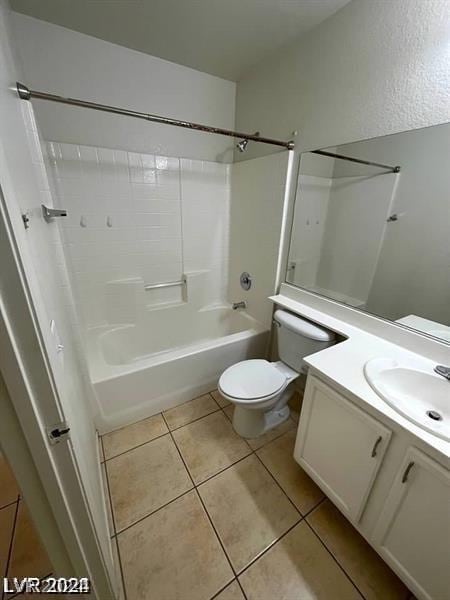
x=371 y=227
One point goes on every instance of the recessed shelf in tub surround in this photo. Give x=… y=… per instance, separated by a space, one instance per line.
x=342 y=365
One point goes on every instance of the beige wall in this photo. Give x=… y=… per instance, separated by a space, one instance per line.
x=375 y=67
x=257 y=194
x=66 y=62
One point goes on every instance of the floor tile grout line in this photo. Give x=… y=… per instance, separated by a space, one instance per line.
x=101 y=449
x=233 y=570
x=219 y=405
x=116 y=541
x=278 y=484
x=223 y=589
x=224 y=469
x=193 y=420
x=137 y=446
x=169 y=430
x=218 y=472
x=206 y=511
x=158 y=436
x=114 y=536
x=10 y=503
x=334 y=558
x=242 y=588
x=100 y=437
x=270 y=546
x=11 y=541
x=110 y=501
x=117 y=533
x=328 y=549
x=311 y=510
x=180 y=455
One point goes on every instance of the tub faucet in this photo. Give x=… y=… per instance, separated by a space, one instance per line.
x=444 y=371
x=241 y=304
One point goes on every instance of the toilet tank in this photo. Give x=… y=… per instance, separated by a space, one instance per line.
x=298 y=338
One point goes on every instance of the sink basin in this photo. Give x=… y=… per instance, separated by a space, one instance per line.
x=414 y=390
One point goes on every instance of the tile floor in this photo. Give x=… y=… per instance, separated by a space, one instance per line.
x=21 y=552
x=199 y=513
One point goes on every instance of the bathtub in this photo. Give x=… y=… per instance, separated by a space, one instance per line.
x=171 y=356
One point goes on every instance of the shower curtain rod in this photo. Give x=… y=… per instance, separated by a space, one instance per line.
x=26 y=94
x=357 y=160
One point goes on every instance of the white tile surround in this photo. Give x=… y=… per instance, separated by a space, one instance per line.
x=136 y=219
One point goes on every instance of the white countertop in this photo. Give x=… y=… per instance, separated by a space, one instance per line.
x=343 y=365
x=427 y=326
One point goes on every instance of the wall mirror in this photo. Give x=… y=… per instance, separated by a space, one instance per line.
x=371 y=227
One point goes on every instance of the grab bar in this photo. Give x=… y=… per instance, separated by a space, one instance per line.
x=155 y=286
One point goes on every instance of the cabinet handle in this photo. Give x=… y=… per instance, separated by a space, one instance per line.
x=375 y=446
x=406 y=473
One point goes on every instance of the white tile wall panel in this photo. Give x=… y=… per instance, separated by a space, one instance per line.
x=144 y=216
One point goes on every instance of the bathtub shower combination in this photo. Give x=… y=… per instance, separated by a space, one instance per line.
x=172 y=356
x=151 y=283
x=151 y=288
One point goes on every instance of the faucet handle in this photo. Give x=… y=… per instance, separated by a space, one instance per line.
x=443 y=371
x=241 y=304
x=246 y=281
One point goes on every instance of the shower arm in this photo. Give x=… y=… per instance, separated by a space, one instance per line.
x=27 y=94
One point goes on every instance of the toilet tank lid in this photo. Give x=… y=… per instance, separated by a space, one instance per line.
x=305 y=328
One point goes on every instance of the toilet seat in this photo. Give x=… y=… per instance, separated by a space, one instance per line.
x=252 y=380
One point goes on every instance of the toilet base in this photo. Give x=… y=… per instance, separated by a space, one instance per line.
x=253 y=423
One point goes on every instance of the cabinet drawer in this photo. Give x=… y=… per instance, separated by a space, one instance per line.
x=339 y=446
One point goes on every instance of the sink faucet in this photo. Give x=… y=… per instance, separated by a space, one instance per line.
x=241 y=304
x=444 y=371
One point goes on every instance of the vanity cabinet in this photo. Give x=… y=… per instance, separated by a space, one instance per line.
x=340 y=446
x=413 y=530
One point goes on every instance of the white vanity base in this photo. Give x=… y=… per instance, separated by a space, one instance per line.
x=395 y=495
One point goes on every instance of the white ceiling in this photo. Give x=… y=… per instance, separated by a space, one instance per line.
x=221 y=37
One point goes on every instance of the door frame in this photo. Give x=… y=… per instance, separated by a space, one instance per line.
x=49 y=475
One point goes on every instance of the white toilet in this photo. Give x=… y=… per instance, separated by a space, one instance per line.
x=258 y=388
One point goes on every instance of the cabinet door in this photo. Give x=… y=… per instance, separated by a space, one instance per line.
x=413 y=531
x=339 y=446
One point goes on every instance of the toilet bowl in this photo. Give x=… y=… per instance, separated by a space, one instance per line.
x=259 y=389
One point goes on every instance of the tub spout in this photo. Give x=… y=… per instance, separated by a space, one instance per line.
x=241 y=304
